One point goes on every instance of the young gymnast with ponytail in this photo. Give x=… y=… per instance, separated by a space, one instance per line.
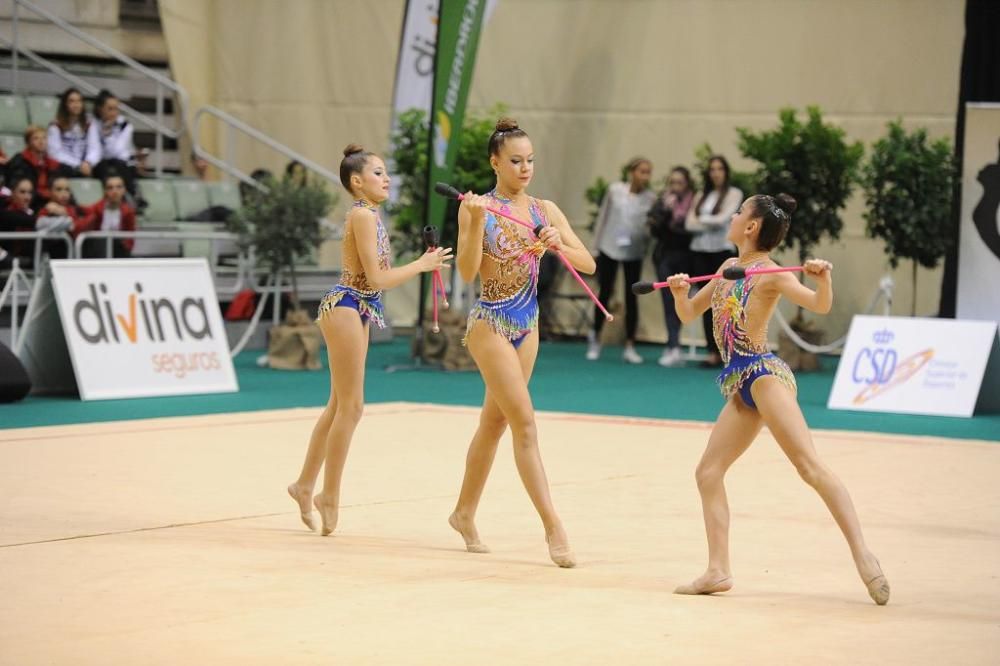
x=345 y=314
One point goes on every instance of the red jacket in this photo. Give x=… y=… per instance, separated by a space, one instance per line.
x=45 y=168
x=94 y=216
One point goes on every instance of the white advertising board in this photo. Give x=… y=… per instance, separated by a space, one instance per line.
x=913 y=365
x=143 y=327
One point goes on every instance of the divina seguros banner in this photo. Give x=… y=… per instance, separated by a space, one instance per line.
x=143 y=327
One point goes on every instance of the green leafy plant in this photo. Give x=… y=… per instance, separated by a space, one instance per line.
x=409 y=155
x=283 y=224
x=908 y=184
x=811 y=161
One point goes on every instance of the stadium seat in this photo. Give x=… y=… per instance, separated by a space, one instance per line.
x=86 y=191
x=161 y=207
x=42 y=109
x=13 y=114
x=190 y=196
x=224 y=194
x=11 y=144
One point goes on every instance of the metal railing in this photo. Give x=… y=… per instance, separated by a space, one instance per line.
x=162 y=82
x=232 y=125
x=244 y=265
x=40 y=237
x=17 y=277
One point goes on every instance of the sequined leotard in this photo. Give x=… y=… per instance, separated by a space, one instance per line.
x=353 y=290
x=508 y=303
x=744 y=351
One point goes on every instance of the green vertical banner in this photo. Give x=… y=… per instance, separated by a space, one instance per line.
x=459 y=25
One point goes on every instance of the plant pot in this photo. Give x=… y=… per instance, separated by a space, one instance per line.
x=445 y=348
x=295 y=344
x=797 y=358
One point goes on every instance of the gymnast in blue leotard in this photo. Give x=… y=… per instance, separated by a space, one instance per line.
x=502 y=331
x=759 y=387
x=344 y=316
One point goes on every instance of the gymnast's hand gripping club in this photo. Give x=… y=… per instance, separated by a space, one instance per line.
x=447 y=190
x=430 y=235
x=731 y=273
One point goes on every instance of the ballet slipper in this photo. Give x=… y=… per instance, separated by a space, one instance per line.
x=878 y=587
x=472 y=547
x=561 y=555
x=721 y=585
x=328 y=514
x=306 y=513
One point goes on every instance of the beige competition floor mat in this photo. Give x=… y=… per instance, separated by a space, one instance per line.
x=172 y=541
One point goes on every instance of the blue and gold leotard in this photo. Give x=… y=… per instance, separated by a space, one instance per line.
x=353 y=290
x=508 y=303
x=745 y=353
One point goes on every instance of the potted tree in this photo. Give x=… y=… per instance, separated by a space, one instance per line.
x=281 y=222
x=813 y=162
x=908 y=193
x=472 y=172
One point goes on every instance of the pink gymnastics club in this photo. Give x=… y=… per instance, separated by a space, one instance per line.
x=731 y=273
x=437 y=282
x=447 y=190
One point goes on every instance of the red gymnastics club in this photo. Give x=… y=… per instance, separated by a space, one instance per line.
x=731 y=273
x=444 y=189
x=437 y=282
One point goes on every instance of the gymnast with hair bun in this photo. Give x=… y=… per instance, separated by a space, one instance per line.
x=344 y=316
x=759 y=387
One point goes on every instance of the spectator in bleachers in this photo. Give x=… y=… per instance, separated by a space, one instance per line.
x=112 y=213
x=114 y=136
x=248 y=191
x=60 y=213
x=200 y=166
x=296 y=172
x=70 y=141
x=16 y=214
x=3 y=157
x=34 y=164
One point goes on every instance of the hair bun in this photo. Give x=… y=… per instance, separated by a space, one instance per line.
x=786 y=203
x=352 y=149
x=506 y=124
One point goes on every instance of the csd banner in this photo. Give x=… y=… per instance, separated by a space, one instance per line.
x=913 y=365
x=142 y=327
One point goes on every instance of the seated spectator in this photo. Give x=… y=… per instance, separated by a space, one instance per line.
x=70 y=141
x=34 y=164
x=60 y=213
x=111 y=213
x=113 y=134
x=200 y=167
x=248 y=191
x=16 y=215
x=296 y=172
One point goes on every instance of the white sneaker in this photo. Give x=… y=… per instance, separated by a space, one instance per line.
x=671 y=356
x=630 y=355
x=593 y=351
